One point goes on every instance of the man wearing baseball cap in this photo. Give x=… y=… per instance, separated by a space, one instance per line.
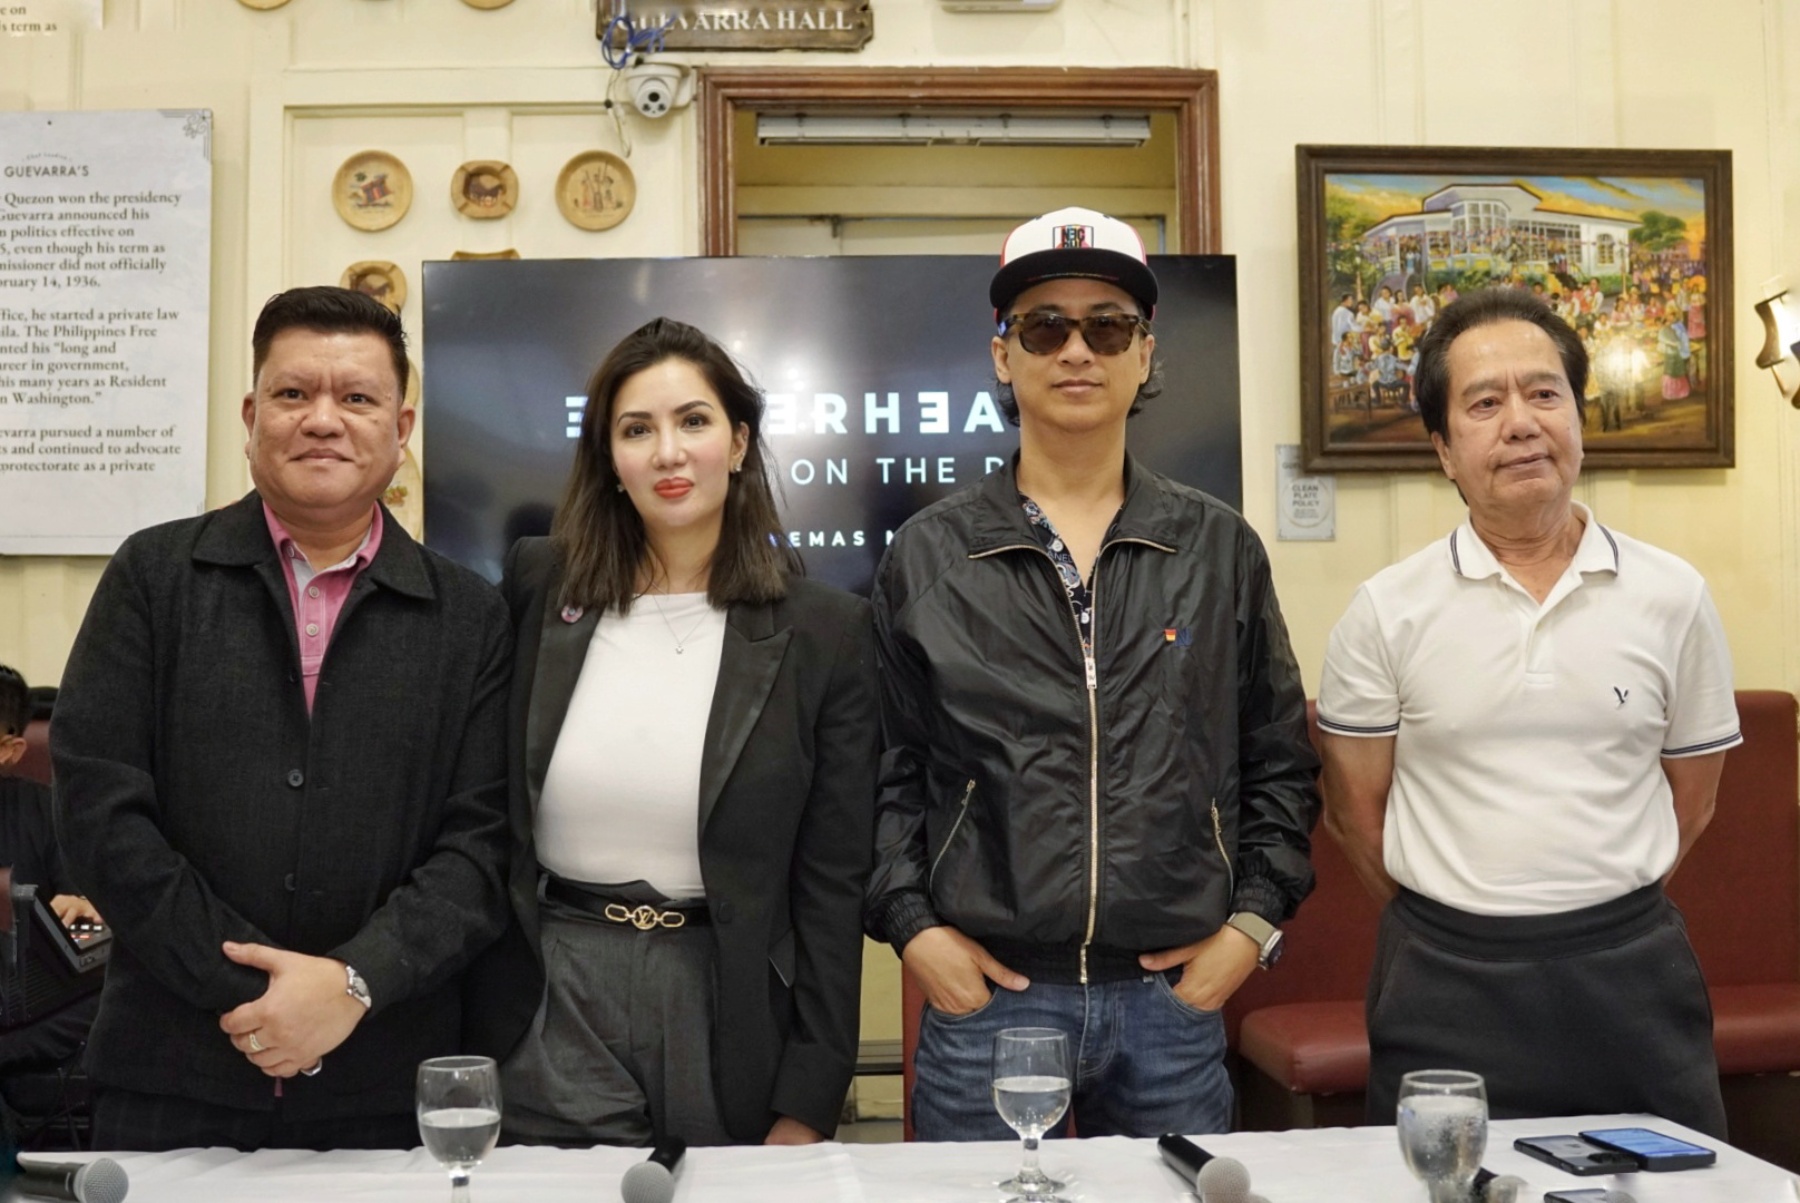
x=1097 y=787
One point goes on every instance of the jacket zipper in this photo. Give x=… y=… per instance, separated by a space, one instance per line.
x=1093 y=701
x=1219 y=839
x=968 y=793
x=1091 y=674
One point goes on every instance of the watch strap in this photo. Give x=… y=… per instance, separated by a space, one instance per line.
x=1266 y=934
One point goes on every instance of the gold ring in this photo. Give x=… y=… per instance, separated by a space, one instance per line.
x=256 y=1045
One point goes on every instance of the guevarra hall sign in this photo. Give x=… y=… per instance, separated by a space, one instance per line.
x=751 y=25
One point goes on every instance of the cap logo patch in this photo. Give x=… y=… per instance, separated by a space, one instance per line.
x=1073 y=238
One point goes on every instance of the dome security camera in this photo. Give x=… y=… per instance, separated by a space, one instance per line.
x=657 y=88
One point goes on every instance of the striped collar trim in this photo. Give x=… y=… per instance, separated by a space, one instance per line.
x=1598 y=551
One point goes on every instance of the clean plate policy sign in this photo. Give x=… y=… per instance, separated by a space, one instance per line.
x=879 y=383
x=105 y=241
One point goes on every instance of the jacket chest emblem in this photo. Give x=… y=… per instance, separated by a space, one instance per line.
x=1179 y=636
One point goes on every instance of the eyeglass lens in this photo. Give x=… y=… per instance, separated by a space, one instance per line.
x=1104 y=333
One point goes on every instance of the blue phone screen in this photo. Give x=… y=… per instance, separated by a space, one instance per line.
x=1643 y=1142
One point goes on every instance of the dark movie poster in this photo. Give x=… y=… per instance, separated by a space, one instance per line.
x=879 y=383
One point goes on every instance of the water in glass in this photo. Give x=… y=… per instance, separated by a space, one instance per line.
x=1032 y=1086
x=459 y=1115
x=1442 y=1123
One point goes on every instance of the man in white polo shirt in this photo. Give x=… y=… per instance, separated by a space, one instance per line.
x=1524 y=726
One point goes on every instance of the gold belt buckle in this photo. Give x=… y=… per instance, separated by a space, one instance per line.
x=644 y=917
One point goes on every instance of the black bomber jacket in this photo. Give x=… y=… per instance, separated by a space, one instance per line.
x=1071 y=815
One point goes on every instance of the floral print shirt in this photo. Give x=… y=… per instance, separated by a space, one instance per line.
x=1081 y=598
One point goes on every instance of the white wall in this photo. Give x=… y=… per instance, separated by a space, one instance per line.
x=438 y=82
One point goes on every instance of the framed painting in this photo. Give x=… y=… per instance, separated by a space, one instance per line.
x=1631 y=247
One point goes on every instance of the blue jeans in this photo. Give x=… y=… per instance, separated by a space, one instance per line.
x=1145 y=1062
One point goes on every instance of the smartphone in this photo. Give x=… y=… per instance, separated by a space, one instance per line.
x=1654 y=1151
x=1574 y=1155
x=1587 y=1194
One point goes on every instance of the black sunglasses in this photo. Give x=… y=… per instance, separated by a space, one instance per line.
x=1043 y=333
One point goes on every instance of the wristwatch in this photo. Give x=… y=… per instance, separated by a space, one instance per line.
x=359 y=989
x=1266 y=935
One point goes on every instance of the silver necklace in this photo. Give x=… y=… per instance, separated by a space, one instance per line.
x=680 y=640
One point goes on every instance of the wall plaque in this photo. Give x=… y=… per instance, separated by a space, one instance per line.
x=105 y=267
x=745 y=25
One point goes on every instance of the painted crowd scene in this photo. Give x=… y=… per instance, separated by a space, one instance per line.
x=1622 y=260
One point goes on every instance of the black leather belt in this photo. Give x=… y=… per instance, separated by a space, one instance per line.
x=640 y=915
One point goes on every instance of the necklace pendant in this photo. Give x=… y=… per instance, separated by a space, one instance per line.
x=679 y=649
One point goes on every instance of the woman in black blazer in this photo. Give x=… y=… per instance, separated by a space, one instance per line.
x=690 y=845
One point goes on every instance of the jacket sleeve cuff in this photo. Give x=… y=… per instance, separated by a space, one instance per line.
x=810 y=1086
x=386 y=976
x=900 y=917
x=1261 y=896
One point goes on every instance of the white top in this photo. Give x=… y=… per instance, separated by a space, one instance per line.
x=621 y=798
x=1529 y=739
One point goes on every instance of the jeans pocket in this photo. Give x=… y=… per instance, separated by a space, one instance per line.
x=946 y=1017
x=1180 y=1004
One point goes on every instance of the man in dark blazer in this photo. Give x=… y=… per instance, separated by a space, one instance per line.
x=280 y=773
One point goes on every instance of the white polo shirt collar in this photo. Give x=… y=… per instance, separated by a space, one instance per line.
x=1473 y=560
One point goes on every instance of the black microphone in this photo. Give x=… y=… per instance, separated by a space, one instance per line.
x=99 y=1181
x=1490 y=1187
x=653 y=1181
x=1215 y=1179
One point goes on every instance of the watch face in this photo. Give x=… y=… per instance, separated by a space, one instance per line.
x=1272 y=951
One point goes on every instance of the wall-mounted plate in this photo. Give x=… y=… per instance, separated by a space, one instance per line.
x=596 y=190
x=508 y=253
x=484 y=189
x=379 y=279
x=372 y=191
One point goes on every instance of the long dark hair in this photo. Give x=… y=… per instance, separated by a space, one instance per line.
x=598 y=531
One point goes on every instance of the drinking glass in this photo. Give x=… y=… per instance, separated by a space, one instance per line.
x=1031 y=1092
x=459 y=1115
x=1442 y=1120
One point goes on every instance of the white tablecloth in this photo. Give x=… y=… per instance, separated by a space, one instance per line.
x=1333 y=1165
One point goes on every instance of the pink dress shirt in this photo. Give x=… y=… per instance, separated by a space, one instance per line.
x=318 y=594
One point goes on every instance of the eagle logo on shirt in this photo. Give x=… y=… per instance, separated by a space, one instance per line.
x=1621 y=694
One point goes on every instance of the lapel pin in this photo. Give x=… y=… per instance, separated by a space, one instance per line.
x=572 y=613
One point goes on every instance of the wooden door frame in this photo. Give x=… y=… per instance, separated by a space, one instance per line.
x=1191 y=96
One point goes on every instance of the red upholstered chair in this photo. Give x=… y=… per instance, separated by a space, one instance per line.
x=912 y=1005
x=1298 y=1028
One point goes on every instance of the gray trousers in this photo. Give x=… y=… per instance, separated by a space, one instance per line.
x=621 y=1049
x=1593 y=1011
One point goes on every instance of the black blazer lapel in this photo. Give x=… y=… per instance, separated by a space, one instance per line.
x=562 y=649
x=747 y=670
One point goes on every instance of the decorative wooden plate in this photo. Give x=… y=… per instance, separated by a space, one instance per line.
x=596 y=190
x=412 y=398
x=372 y=191
x=508 y=253
x=378 y=278
x=405 y=496
x=484 y=188
x=487 y=3
x=262 y=4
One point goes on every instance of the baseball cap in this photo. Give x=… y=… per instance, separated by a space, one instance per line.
x=1073 y=242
